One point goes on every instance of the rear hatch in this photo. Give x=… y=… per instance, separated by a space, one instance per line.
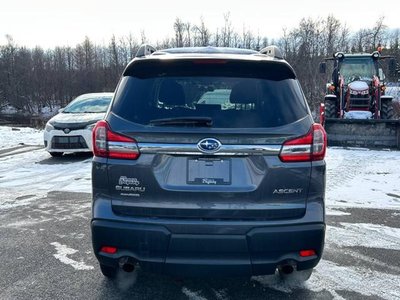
x=208 y=136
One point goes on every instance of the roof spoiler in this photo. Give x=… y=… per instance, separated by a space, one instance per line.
x=145 y=50
x=272 y=51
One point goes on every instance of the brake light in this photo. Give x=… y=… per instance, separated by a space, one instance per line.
x=310 y=147
x=107 y=143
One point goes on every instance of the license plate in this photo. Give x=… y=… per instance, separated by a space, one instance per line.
x=209 y=171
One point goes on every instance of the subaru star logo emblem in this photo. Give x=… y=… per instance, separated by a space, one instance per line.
x=67 y=130
x=209 y=145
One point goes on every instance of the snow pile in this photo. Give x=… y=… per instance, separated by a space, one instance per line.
x=8 y=109
x=14 y=136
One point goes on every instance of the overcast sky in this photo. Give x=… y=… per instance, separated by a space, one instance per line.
x=48 y=23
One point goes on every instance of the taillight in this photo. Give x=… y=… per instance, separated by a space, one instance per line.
x=309 y=147
x=113 y=145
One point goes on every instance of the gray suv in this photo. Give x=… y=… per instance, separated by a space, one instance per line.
x=208 y=162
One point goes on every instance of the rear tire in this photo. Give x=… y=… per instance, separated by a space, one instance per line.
x=330 y=109
x=56 y=154
x=109 y=272
x=297 y=276
x=387 y=112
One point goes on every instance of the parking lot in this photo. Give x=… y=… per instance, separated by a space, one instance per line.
x=45 y=249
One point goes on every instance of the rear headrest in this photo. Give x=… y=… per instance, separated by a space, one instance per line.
x=171 y=93
x=244 y=92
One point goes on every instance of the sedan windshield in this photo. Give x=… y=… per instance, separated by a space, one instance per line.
x=93 y=104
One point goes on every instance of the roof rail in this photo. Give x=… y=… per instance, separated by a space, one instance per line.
x=272 y=51
x=145 y=50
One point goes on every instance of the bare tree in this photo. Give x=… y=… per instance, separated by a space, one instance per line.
x=378 y=33
x=202 y=34
x=179 y=28
x=227 y=31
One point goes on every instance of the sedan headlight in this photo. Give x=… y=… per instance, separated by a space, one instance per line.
x=49 y=127
x=91 y=126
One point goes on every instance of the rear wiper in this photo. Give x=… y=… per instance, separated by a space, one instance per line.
x=183 y=121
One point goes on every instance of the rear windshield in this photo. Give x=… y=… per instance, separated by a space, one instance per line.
x=230 y=102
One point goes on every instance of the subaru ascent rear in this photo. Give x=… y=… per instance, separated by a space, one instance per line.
x=208 y=162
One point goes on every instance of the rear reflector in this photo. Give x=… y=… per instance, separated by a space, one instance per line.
x=107 y=143
x=310 y=147
x=306 y=253
x=108 y=249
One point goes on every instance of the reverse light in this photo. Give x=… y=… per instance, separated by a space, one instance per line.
x=307 y=253
x=90 y=127
x=109 y=249
x=310 y=147
x=107 y=143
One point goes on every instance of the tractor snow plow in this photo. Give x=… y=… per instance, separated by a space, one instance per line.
x=356 y=112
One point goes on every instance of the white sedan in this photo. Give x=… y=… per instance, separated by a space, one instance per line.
x=71 y=129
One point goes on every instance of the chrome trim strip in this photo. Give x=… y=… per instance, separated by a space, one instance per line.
x=296 y=149
x=225 y=150
x=123 y=147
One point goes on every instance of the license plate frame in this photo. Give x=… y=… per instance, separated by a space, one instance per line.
x=209 y=171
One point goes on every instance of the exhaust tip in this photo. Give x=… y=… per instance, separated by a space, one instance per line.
x=128 y=267
x=286 y=269
x=127 y=264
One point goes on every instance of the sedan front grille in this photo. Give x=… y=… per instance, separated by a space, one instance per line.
x=69 y=142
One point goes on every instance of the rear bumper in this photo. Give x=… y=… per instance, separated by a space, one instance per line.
x=256 y=252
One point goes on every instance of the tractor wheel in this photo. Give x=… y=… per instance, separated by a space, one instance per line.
x=330 y=109
x=387 y=110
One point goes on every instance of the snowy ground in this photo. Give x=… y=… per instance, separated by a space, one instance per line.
x=363 y=210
